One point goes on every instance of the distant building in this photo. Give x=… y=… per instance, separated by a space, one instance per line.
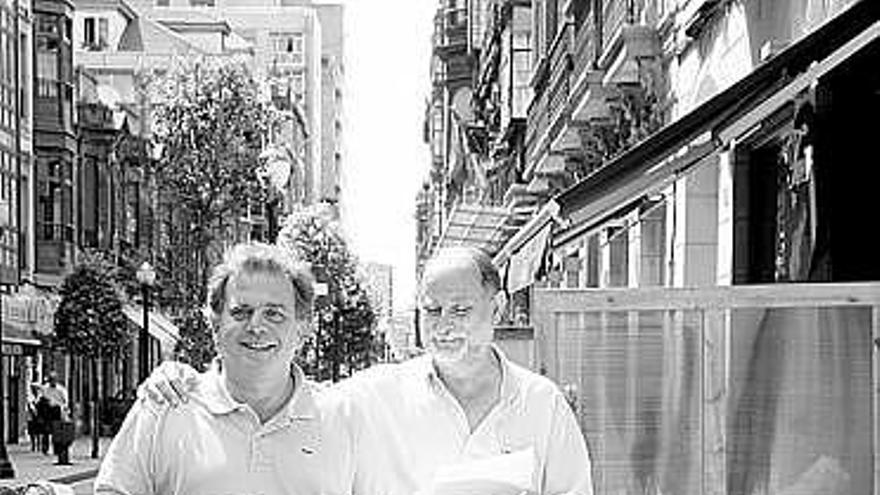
x=378 y=280
x=694 y=177
x=332 y=115
x=401 y=336
x=380 y=288
x=55 y=143
x=298 y=47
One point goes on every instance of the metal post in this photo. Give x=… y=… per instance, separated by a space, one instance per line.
x=146 y=276
x=144 y=343
x=6 y=469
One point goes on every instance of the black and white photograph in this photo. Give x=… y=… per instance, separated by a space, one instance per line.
x=439 y=247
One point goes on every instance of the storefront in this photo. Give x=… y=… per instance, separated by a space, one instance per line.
x=27 y=320
x=728 y=342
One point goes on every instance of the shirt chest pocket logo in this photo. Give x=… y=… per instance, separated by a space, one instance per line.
x=512 y=440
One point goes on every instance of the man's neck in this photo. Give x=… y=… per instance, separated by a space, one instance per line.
x=476 y=375
x=266 y=395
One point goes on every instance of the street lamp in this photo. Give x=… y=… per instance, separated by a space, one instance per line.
x=321 y=290
x=147 y=277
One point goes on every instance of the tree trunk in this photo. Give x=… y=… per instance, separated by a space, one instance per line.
x=96 y=405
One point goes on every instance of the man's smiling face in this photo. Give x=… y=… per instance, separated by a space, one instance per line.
x=456 y=308
x=258 y=331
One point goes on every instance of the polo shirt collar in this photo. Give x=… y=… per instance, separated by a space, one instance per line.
x=211 y=391
x=510 y=380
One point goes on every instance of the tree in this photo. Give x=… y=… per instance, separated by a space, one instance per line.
x=89 y=321
x=209 y=126
x=344 y=316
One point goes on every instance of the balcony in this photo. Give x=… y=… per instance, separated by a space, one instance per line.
x=560 y=71
x=549 y=111
x=626 y=42
x=588 y=95
x=522 y=201
x=54 y=232
x=450 y=33
x=95 y=115
x=54 y=257
x=536 y=123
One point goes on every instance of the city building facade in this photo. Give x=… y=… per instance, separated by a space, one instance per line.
x=298 y=47
x=693 y=254
x=20 y=301
x=378 y=281
x=55 y=143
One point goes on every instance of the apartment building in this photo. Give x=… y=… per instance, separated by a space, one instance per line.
x=296 y=45
x=694 y=273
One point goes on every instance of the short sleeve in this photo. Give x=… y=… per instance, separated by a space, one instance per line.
x=567 y=468
x=128 y=466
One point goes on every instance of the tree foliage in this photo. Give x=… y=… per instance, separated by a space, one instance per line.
x=196 y=345
x=209 y=127
x=89 y=320
x=344 y=317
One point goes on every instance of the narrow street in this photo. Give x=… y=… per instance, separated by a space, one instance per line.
x=657 y=211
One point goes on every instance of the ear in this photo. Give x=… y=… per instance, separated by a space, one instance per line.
x=499 y=306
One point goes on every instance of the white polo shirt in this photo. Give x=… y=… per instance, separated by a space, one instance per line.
x=215 y=445
x=413 y=426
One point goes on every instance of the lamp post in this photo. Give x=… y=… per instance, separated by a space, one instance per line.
x=147 y=277
x=321 y=290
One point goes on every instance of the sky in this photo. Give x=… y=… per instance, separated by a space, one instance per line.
x=387 y=49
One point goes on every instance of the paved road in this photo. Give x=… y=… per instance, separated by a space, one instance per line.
x=83 y=487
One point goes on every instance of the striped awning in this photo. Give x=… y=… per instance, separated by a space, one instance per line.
x=480 y=226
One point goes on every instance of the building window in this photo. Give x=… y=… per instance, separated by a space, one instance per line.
x=54 y=201
x=95 y=33
x=24 y=71
x=617 y=244
x=48 y=50
x=288 y=47
x=89 y=36
x=47 y=24
x=652 y=265
x=298 y=82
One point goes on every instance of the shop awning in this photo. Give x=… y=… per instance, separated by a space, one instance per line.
x=17 y=333
x=160 y=326
x=524 y=265
x=481 y=226
x=683 y=143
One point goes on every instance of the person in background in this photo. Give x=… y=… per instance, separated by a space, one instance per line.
x=34 y=426
x=56 y=394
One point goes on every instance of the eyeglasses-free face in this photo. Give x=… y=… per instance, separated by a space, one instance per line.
x=456 y=309
x=257 y=329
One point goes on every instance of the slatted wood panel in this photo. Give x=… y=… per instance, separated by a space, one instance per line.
x=760 y=389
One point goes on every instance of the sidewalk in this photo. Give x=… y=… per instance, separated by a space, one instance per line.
x=33 y=466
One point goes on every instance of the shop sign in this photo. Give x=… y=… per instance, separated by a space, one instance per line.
x=13 y=350
x=34 y=310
